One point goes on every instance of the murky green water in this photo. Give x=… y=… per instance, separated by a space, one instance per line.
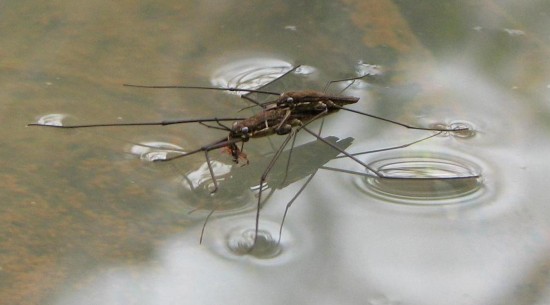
x=84 y=221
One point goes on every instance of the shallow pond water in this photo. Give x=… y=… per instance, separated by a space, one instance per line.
x=87 y=218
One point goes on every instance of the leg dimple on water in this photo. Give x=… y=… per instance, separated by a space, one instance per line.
x=241 y=242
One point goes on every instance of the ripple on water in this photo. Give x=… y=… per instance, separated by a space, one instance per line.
x=424 y=179
x=463 y=129
x=250 y=73
x=253 y=73
x=241 y=242
x=197 y=191
x=234 y=239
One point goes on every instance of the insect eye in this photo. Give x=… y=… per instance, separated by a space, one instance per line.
x=244 y=130
x=289 y=100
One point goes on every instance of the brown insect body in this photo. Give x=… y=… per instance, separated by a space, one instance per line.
x=291 y=109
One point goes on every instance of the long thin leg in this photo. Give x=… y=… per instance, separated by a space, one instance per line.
x=263 y=105
x=253 y=101
x=206 y=149
x=211 y=172
x=204 y=224
x=219 y=127
x=289 y=204
x=262 y=181
x=263 y=178
x=352 y=156
x=289 y=157
x=351 y=79
x=218 y=144
x=276 y=79
x=231 y=89
x=161 y=123
x=375 y=151
x=302 y=188
x=352 y=172
x=400 y=124
x=392 y=147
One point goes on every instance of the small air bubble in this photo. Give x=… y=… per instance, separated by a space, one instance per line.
x=290 y=28
x=514 y=32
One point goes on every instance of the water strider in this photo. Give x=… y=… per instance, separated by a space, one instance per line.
x=286 y=115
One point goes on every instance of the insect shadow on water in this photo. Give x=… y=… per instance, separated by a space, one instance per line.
x=286 y=115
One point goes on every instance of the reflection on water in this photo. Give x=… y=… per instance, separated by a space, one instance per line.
x=203 y=178
x=153 y=151
x=467 y=130
x=83 y=223
x=54 y=119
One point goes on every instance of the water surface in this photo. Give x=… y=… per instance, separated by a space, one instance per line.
x=84 y=219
